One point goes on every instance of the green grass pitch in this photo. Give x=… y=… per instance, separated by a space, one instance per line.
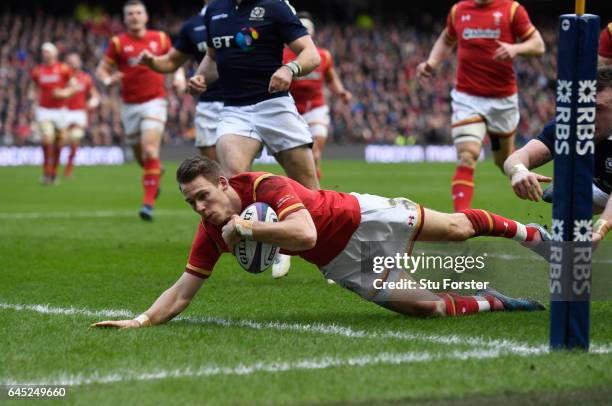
x=80 y=249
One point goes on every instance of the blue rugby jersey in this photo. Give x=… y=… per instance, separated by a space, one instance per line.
x=192 y=41
x=249 y=40
x=602 y=173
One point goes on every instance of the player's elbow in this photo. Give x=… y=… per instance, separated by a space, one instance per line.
x=307 y=238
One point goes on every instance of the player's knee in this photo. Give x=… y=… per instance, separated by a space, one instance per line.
x=76 y=134
x=150 y=152
x=499 y=160
x=467 y=158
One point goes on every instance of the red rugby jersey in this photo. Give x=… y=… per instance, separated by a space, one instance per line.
x=139 y=84
x=84 y=84
x=48 y=78
x=476 y=28
x=308 y=90
x=605 y=42
x=336 y=216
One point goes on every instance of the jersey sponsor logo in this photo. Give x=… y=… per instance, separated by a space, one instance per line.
x=128 y=48
x=479 y=33
x=219 y=17
x=133 y=61
x=257 y=14
x=246 y=38
x=199 y=28
x=202 y=46
x=54 y=78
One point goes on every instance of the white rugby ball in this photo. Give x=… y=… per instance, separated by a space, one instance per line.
x=253 y=256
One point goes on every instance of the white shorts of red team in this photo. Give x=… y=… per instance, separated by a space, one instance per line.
x=275 y=123
x=137 y=117
x=500 y=116
x=54 y=116
x=318 y=121
x=389 y=226
x=76 y=118
x=206 y=122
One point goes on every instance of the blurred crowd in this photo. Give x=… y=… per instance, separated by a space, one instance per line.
x=376 y=63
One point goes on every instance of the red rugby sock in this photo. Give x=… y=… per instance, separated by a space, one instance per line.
x=150 y=180
x=486 y=223
x=457 y=305
x=55 y=160
x=462 y=187
x=70 y=164
x=47 y=154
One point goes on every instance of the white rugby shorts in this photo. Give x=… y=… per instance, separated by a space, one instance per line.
x=53 y=116
x=275 y=122
x=600 y=199
x=500 y=116
x=206 y=122
x=318 y=121
x=388 y=226
x=76 y=118
x=133 y=116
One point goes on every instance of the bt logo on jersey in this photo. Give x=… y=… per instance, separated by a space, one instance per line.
x=245 y=39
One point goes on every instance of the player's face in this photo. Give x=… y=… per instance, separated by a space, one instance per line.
x=74 y=61
x=135 y=17
x=603 y=119
x=48 y=56
x=209 y=200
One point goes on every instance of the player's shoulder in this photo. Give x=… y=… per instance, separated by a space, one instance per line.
x=547 y=135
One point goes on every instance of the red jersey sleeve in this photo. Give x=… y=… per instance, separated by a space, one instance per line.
x=111 y=55
x=522 y=28
x=203 y=256
x=605 y=42
x=165 y=42
x=451 y=34
x=278 y=194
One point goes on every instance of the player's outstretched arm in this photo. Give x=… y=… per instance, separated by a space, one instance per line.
x=105 y=74
x=526 y=184
x=604 y=224
x=441 y=51
x=296 y=232
x=167 y=63
x=172 y=302
x=307 y=60
x=206 y=74
x=335 y=85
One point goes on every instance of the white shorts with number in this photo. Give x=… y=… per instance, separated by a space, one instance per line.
x=388 y=227
x=318 y=121
x=206 y=122
x=141 y=116
x=600 y=199
x=77 y=118
x=54 y=116
x=276 y=123
x=500 y=116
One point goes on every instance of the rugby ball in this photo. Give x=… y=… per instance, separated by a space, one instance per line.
x=253 y=256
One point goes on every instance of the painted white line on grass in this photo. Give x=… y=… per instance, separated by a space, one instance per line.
x=87 y=214
x=502 y=346
x=384 y=358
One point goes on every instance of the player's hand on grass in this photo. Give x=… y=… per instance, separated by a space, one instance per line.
x=119 y=324
x=230 y=233
x=423 y=72
x=505 y=51
x=526 y=185
x=196 y=85
x=280 y=80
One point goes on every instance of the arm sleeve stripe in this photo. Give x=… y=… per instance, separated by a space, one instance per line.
x=513 y=8
x=117 y=44
x=162 y=39
x=453 y=13
x=529 y=33
x=200 y=271
x=610 y=28
x=257 y=182
x=288 y=210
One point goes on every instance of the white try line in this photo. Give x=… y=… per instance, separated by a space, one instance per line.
x=271 y=367
x=88 y=214
x=502 y=346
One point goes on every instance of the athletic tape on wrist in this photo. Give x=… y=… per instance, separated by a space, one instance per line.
x=244 y=228
x=516 y=169
x=601 y=227
x=143 y=320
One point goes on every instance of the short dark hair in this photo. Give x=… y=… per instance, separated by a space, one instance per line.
x=305 y=14
x=133 y=3
x=196 y=166
x=604 y=78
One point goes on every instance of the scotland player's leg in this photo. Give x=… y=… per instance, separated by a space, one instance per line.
x=206 y=121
